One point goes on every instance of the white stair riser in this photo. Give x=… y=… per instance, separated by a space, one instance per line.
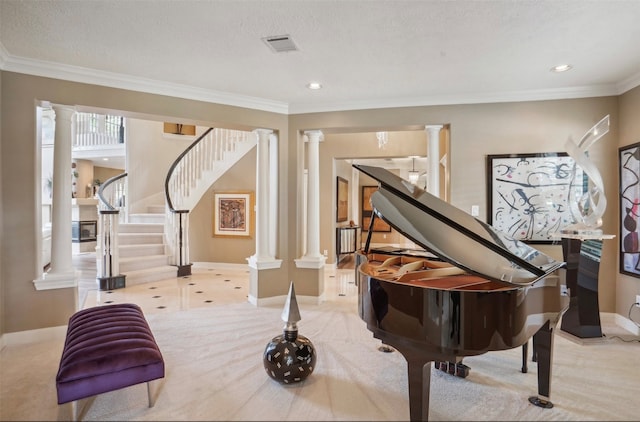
x=147 y=218
x=127 y=251
x=148 y=276
x=141 y=263
x=141 y=228
x=156 y=209
x=140 y=238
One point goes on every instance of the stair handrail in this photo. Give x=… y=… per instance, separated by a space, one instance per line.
x=173 y=168
x=104 y=203
x=108 y=258
x=208 y=156
x=178 y=234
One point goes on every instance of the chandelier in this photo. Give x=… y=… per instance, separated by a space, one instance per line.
x=383 y=139
x=414 y=174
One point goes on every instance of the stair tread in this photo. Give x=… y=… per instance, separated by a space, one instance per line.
x=140 y=233
x=143 y=257
x=160 y=268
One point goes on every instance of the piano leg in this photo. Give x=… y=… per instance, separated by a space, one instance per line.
x=543 y=350
x=419 y=371
x=525 y=350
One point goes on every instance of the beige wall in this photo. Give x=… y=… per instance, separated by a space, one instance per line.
x=627 y=287
x=24 y=307
x=476 y=130
x=2 y=234
x=204 y=246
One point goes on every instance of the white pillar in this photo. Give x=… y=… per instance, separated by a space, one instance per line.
x=355 y=191
x=62 y=274
x=273 y=194
x=433 y=157
x=313 y=258
x=264 y=184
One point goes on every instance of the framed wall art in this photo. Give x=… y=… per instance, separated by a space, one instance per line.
x=342 y=199
x=528 y=194
x=379 y=225
x=233 y=214
x=629 y=164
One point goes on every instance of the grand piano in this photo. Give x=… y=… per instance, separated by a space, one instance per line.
x=472 y=290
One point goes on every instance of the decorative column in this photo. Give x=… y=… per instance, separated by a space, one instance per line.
x=273 y=194
x=62 y=274
x=355 y=206
x=433 y=156
x=313 y=258
x=262 y=259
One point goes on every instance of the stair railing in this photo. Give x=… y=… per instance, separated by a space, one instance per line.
x=177 y=218
x=111 y=200
x=183 y=190
x=98 y=130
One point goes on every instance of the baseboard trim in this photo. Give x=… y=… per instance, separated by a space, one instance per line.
x=627 y=324
x=281 y=300
x=33 y=336
x=221 y=265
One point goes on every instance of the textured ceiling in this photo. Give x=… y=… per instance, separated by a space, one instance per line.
x=365 y=53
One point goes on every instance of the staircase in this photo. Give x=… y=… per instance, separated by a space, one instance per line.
x=143 y=256
x=154 y=245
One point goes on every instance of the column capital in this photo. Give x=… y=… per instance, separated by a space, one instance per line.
x=313 y=136
x=434 y=127
x=263 y=133
x=63 y=111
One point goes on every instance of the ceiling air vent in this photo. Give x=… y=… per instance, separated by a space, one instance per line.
x=280 y=43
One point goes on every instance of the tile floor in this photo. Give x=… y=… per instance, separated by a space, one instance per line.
x=208 y=285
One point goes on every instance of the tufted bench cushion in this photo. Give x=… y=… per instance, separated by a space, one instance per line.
x=107 y=348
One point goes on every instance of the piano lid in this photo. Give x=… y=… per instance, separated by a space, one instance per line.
x=453 y=235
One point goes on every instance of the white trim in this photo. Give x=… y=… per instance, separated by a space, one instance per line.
x=220 y=265
x=454 y=99
x=627 y=324
x=281 y=300
x=263 y=264
x=33 y=336
x=310 y=262
x=117 y=80
x=50 y=281
x=47 y=69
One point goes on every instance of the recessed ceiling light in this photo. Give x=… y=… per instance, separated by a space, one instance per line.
x=105 y=159
x=561 y=68
x=314 y=85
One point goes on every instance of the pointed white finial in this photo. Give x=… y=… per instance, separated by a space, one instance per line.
x=291 y=313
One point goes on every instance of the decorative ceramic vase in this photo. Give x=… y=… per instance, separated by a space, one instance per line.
x=290 y=357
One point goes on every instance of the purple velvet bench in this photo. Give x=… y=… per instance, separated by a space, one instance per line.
x=107 y=348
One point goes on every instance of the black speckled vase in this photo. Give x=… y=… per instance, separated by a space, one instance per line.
x=289 y=358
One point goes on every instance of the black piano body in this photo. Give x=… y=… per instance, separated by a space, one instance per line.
x=473 y=289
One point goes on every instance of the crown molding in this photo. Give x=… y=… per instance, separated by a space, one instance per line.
x=470 y=98
x=629 y=83
x=116 y=80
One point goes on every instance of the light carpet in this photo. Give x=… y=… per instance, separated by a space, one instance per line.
x=214 y=371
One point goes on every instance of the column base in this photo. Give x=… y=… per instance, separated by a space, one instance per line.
x=57 y=280
x=311 y=261
x=264 y=263
x=184 y=270
x=112 y=283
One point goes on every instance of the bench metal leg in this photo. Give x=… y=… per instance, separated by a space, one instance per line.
x=152 y=402
x=74 y=410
